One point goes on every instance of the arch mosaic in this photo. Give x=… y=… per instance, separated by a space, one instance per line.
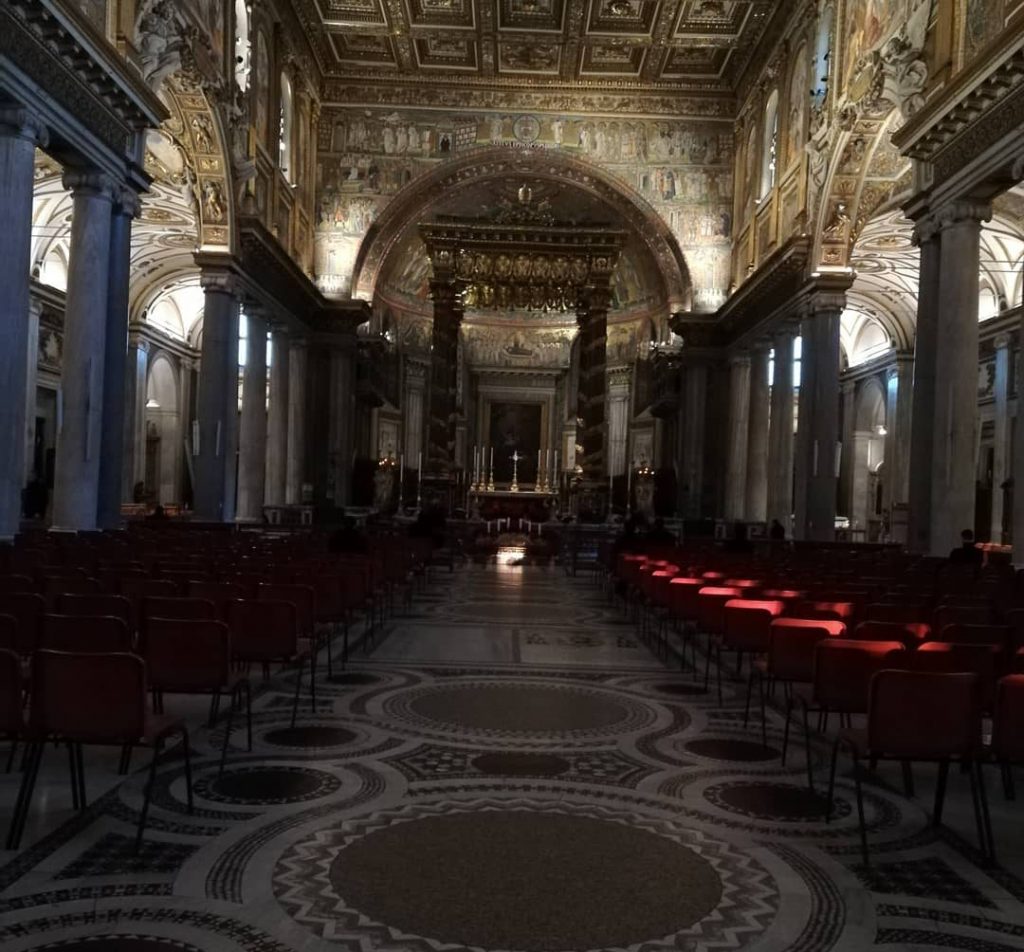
x=415 y=200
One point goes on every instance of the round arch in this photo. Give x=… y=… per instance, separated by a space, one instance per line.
x=499 y=163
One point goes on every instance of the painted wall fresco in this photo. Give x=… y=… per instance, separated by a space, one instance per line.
x=983 y=21
x=681 y=168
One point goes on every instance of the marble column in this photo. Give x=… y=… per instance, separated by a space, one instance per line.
x=739 y=437
x=277 y=418
x=20 y=133
x=922 y=434
x=415 y=384
x=35 y=313
x=298 y=361
x=342 y=408
x=444 y=345
x=252 y=433
x=79 y=446
x=217 y=403
x=618 y=422
x=954 y=431
x=848 y=392
x=115 y=360
x=593 y=323
x=133 y=466
x=899 y=393
x=756 y=498
x=695 y=392
x=1001 y=435
x=818 y=421
x=780 y=431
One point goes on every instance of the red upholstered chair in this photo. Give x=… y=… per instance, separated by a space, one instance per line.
x=194 y=657
x=902 y=613
x=961 y=633
x=920 y=716
x=219 y=593
x=1008 y=728
x=824 y=609
x=16 y=583
x=842 y=672
x=303 y=597
x=985 y=661
x=27 y=608
x=962 y=615
x=265 y=633
x=657 y=604
x=8 y=633
x=80 y=698
x=746 y=630
x=911 y=634
x=97 y=634
x=12 y=720
x=53 y=586
x=711 y=601
x=110 y=606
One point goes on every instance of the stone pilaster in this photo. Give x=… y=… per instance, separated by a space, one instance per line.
x=739 y=437
x=694 y=414
x=342 y=422
x=79 y=443
x=298 y=361
x=133 y=466
x=780 y=433
x=756 y=504
x=818 y=426
x=898 y=416
x=1001 y=435
x=955 y=421
x=252 y=436
x=217 y=403
x=277 y=418
x=922 y=434
x=115 y=362
x=592 y=318
x=444 y=345
x=20 y=133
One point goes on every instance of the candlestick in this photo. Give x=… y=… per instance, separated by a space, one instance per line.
x=401 y=481
x=490 y=473
x=419 y=479
x=557 y=483
x=629 y=486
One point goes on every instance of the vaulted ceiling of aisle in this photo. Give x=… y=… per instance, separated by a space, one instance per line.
x=689 y=44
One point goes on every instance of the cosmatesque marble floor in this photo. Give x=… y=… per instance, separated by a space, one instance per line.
x=507 y=767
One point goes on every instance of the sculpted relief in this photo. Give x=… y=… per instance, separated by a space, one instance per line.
x=682 y=168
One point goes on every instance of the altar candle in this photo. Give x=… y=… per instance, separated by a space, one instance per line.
x=555 y=470
x=629 y=484
x=538 y=466
x=491 y=470
x=419 y=468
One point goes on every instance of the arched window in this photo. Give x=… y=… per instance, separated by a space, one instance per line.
x=749 y=170
x=770 y=147
x=822 y=57
x=243 y=46
x=284 y=148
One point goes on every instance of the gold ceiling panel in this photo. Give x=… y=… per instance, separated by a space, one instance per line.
x=697 y=45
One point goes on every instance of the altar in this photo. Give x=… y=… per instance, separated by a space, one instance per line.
x=507 y=504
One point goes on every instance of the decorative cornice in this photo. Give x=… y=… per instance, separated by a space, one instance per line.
x=56 y=46
x=949 y=123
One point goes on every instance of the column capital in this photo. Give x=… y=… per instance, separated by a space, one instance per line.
x=958 y=212
x=1002 y=341
x=127 y=202
x=223 y=282
x=90 y=183
x=823 y=302
x=892 y=373
x=739 y=358
x=21 y=123
x=785 y=330
x=925 y=231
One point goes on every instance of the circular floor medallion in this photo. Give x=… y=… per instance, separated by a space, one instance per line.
x=781 y=802
x=522 y=880
x=309 y=736
x=685 y=690
x=521 y=764
x=260 y=785
x=117 y=943
x=503 y=708
x=728 y=748
x=353 y=677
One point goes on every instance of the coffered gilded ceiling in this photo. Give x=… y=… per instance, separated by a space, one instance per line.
x=693 y=44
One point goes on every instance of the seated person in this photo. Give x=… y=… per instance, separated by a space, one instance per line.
x=968 y=552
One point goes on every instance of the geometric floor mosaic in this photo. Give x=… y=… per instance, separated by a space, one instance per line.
x=509 y=768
